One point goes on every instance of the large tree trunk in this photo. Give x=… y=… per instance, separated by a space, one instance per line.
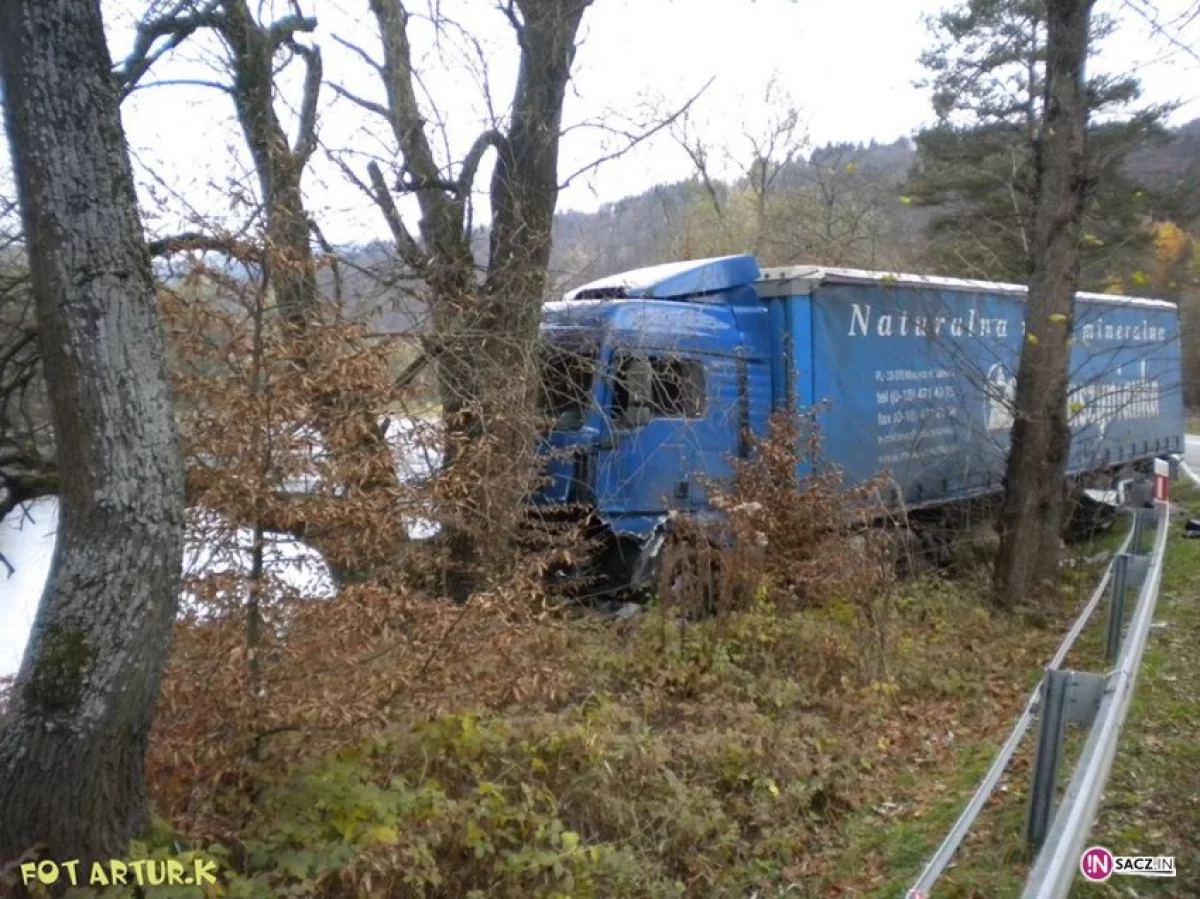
x=525 y=181
x=1031 y=517
x=501 y=370
x=73 y=744
x=279 y=166
x=483 y=335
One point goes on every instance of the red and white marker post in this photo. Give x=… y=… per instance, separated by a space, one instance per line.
x=1162 y=478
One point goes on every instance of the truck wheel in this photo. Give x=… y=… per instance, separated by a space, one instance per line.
x=689 y=575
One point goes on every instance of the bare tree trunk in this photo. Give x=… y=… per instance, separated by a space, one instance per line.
x=524 y=193
x=483 y=335
x=255 y=47
x=1031 y=517
x=73 y=745
x=278 y=164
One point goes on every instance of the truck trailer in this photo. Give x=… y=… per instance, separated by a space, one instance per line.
x=658 y=379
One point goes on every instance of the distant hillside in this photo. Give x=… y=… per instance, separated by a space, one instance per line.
x=1173 y=164
x=373 y=286
x=646 y=228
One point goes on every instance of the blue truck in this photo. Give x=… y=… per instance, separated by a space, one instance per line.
x=657 y=379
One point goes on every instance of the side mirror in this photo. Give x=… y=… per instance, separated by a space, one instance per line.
x=637 y=416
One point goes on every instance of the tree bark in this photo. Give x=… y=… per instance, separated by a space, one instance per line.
x=73 y=744
x=524 y=187
x=1031 y=516
x=483 y=333
x=278 y=164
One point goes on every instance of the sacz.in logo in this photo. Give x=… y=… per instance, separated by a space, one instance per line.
x=1098 y=864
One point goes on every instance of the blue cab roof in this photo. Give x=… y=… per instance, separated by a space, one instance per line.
x=672 y=280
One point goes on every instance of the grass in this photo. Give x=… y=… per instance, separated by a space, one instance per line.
x=750 y=755
x=992 y=860
x=1152 y=803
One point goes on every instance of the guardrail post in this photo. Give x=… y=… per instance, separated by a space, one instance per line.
x=1135 y=545
x=1049 y=750
x=1102 y=707
x=1153 y=517
x=1116 y=608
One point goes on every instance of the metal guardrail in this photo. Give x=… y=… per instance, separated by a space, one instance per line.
x=1098 y=700
x=1058 y=862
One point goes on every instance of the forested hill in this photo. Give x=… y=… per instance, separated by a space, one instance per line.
x=673 y=221
x=1171 y=164
x=845 y=204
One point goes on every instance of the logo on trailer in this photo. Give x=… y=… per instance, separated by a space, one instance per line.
x=1093 y=405
x=1097 y=864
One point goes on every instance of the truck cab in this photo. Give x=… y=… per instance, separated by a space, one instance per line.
x=653 y=380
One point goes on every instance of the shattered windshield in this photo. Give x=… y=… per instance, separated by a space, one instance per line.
x=567 y=375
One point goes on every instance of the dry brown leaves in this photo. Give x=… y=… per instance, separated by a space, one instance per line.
x=281 y=432
x=788 y=522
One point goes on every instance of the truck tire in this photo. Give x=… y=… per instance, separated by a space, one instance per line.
x=689 y=575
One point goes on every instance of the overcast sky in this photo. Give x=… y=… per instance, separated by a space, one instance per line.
x=849 y=66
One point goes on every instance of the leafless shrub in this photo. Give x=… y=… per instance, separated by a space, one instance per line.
x=790 y=536
x=27 y=468
x=793 y=525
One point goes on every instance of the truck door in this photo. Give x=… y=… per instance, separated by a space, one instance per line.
x=645 y=467
x=721 y=432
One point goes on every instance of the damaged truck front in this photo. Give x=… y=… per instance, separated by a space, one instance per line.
x=656 y=381
x=649 y=396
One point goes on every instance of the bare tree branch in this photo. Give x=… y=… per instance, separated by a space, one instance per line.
x=414 y=368
x=407 y=247
x=510 y=12
x=179 y=82
x=470 y=165
x=284 y=30
x=1146 y=10
x=359 y=52
x=24 y=478
x=28 y=336
x=634 y=139
x=370 y=106
x=306 y=134
x=334 y=263
x=176 y=25
x=698 y=155
x=408 y=124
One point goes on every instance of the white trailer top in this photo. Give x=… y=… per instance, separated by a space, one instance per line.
x=799 y=279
